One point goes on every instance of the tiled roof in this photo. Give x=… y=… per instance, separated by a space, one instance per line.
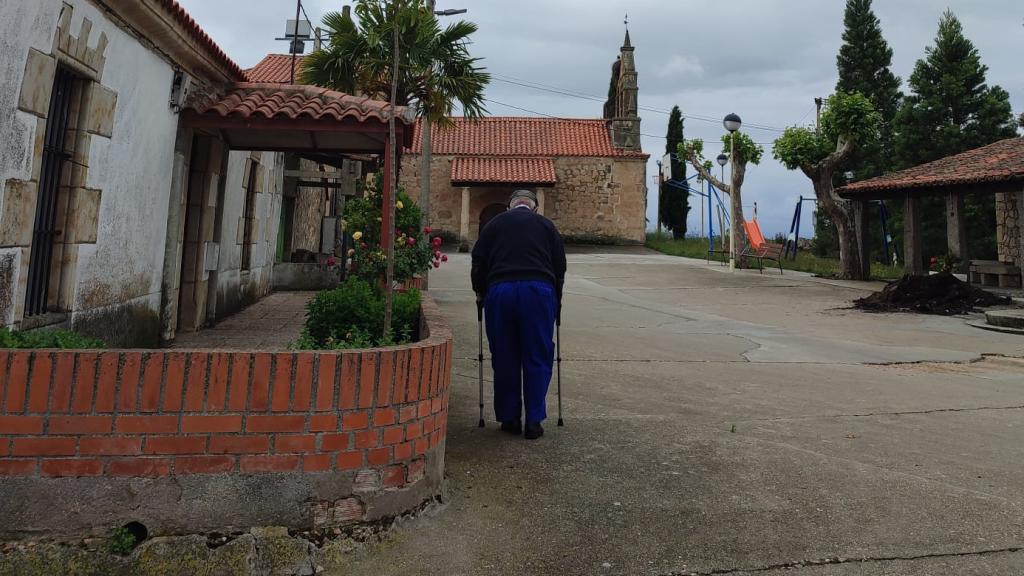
x=290 y=101
x=274 y=69
x=1002 y=161
x=523 y=137
x=475 y=169
x=197 y=33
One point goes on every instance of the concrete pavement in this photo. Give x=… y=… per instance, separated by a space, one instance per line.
x=732 y=424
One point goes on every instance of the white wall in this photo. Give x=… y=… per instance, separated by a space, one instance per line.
x=133 y=169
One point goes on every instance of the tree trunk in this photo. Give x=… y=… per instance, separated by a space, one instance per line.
x=842 y=214
x=739 y=172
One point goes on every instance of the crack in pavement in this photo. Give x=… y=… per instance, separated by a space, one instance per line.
x=870 y=414
x=843 y=560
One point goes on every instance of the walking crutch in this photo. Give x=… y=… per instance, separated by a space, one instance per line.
x=558 y=355
x=480 y=355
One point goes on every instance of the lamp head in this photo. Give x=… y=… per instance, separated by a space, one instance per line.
x=732 y=122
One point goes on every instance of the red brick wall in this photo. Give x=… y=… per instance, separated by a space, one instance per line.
x=125 y=413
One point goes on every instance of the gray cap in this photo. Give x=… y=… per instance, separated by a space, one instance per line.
x=528 y=194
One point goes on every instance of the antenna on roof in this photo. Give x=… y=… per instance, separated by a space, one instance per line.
x=297 y=32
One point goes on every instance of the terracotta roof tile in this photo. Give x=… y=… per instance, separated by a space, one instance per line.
x=200 y=36
x=475 y=169
x=523 y=137
x=291 y=101
x=274 y=69
x=999 y=162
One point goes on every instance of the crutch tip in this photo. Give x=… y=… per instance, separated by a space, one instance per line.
x=480 y=424
x=561 y=422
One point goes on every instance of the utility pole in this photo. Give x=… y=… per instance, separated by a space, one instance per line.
x=817 y=114
x=661 y=185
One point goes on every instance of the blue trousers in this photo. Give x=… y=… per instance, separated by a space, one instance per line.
x=520 y=331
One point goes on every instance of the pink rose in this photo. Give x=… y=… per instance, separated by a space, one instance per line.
x=427 y=230
x=411 y=240
x=437 y=264
x=444 y=258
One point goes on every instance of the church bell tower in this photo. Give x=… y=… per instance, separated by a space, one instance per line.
x=625 y=123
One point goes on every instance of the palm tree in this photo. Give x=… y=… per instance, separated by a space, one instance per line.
x=435 y=70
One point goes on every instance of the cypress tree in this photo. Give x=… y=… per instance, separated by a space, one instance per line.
x=951 y=109
x=863 y=62
x=673 y=201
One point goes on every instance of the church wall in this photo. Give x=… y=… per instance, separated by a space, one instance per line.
x=595 y=200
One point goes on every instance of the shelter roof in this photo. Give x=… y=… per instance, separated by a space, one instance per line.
x=1000 y=163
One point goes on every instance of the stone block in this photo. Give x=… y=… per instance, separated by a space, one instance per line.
x=37 y=84
x=37 y=149
x=19 y=212
x=83 y=216
x=99 y=117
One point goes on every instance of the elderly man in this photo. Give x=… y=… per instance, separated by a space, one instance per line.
x=518 y=273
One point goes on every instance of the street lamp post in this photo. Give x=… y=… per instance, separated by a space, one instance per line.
x=732 y=123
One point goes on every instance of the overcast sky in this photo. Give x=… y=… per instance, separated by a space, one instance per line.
x=766 y=60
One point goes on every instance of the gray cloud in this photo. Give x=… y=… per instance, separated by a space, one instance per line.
x=763 y=59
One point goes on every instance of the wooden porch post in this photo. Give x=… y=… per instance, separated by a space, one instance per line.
x=913 y=262
x=956 y=229
x=861 y=209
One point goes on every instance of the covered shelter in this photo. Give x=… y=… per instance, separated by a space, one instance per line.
x=997 y=168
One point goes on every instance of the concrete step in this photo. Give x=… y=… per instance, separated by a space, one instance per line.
x=1006 y=318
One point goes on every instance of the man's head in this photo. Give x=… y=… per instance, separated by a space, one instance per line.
x=525 y=198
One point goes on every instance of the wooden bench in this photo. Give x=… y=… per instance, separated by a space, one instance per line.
x=994 y=273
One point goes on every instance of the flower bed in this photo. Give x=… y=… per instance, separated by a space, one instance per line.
x=203 y=441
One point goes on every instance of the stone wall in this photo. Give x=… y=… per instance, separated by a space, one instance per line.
x=1008 y=229
x=199 y=441
x=595 y=199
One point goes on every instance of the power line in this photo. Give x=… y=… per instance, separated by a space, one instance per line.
x=521 y=109
x=575 y=94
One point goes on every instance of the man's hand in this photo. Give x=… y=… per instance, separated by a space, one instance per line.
x=479 y=307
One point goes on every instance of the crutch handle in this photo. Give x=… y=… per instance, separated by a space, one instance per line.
x=479 y=308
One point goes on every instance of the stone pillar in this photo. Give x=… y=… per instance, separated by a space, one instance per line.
x=861 y=209
x=913 y=262
x=1008 y=228
x=464 y=218
x=540 y=202
x=956 y=229
x=1020 y=234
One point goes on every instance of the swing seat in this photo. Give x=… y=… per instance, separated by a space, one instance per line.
x=760 y=250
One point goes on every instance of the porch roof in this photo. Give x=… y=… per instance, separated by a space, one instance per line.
x=475 y=170
x=296 y=118
x=998 y=167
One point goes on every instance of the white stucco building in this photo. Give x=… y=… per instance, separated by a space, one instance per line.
x=136 y=198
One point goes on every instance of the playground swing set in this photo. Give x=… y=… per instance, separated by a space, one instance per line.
x=758 y=248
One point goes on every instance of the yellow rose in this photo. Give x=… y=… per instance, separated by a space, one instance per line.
x=357 y=236
x=399 y=205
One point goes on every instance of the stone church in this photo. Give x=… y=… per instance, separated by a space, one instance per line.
x=589 y=174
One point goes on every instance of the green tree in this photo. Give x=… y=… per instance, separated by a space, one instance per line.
x=436 y=71
x=846 y=121
x=951 y=109
x=864 y=62
x=745 y=151
x=674 y=201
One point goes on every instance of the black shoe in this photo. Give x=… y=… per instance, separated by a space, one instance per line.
x=533 y=430
x=512 y=427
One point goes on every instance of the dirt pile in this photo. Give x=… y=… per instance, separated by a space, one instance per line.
x=937 y=294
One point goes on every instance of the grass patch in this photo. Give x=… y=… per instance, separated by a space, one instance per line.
x=48 y=339
x=805 y=261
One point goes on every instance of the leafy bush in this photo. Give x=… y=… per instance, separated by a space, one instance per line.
x=47 y=339
x=352 y=316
